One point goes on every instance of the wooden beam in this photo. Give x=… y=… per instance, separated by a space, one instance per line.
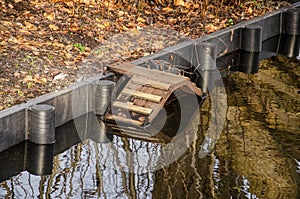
x=131 y=107
x=130 y=69
x=142 y=95
x=124 y=120
x=151 y=83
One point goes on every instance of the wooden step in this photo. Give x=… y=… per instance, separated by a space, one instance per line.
x=132 y=107
x=151 y=83
x=142 y=95
x=124 y=120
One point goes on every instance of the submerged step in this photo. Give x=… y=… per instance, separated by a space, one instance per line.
x=125 y=120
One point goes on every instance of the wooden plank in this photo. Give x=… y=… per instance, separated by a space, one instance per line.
x=142 y=95
x=137 y=101
x=151 y=83
x=149 y=104
x=130 y=69
x=124 y=120
x=176 y=81
x=136 y=133
x=131 y=107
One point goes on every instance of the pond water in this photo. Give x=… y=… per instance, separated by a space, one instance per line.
x=257 y=155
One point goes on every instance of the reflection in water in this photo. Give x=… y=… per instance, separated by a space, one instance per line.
x=262 y=136
x=298 y=166
x=256 y=156
x=40 y=159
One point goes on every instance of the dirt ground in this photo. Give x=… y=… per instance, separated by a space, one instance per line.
x=44 y=44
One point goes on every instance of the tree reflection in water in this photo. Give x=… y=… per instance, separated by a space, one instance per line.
x=256 y=156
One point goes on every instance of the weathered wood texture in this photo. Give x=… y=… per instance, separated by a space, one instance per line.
x=145 y=94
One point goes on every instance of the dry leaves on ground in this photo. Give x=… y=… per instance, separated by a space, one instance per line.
x=40 y=40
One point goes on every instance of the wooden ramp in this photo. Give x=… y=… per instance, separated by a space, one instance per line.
x=145 y=94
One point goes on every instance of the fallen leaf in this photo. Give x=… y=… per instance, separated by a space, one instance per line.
x=167 y=9
x=179 y=3
x=211 y=28
x=121 y=13
x=3 y=43
x=131 y=25
x=50 y=16
x=140 y=19
x=101 y=26
x=172 y=21
x=68 y=55
x=40 y=80
x=28 y=78
x=26 y=32
x=196 y=5
x=56 y=44
x=69 y=11
x=69 y=3
x=74 y=28
x=223 y=23
x=211 y=16
x=36 y=53
x=250 y=10
x=20 y=93
x=107 y=23
x=53 y=27
x=7 y=23
x=123 y=27
x=90 y=34
x=16 y=74
x=147 y=12
x=30 y=26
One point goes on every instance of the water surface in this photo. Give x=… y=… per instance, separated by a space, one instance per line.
x=256 y=156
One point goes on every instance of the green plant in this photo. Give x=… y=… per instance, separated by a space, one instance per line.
x=79 y=46
x=100 y=50
x=29 y=84
x=50 y=57
x=20 y=93
x=230 y=22
x=28 y=57
x=238 y=188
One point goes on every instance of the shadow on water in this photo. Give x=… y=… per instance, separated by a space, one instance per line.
x=256 y=156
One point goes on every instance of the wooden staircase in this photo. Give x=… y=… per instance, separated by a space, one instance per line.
x=145 y=94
